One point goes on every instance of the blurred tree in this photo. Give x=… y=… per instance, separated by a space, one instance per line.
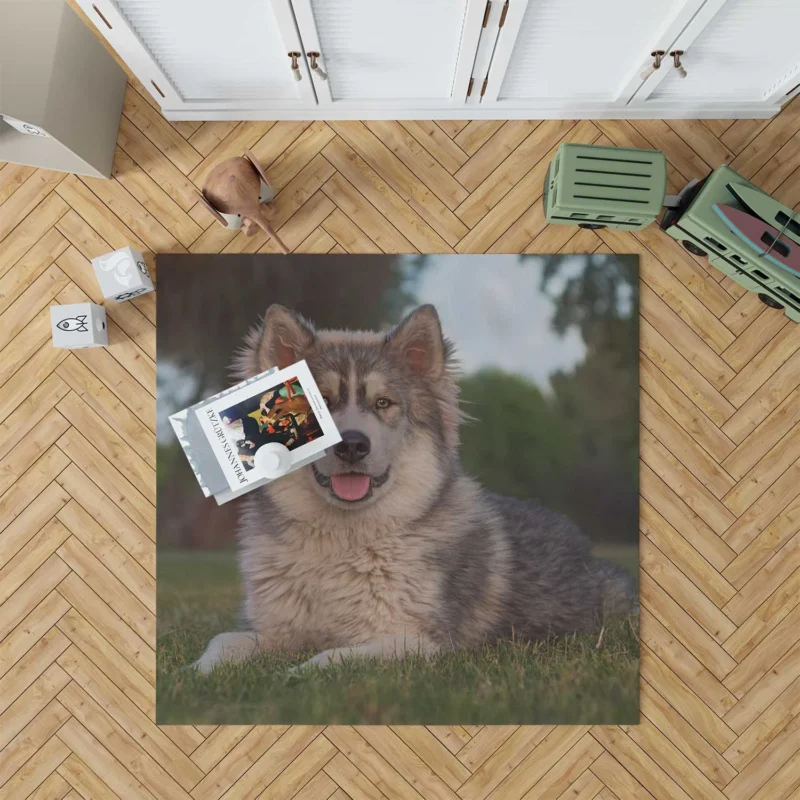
x=516 y=443
x=603 y=292
x=599 y=398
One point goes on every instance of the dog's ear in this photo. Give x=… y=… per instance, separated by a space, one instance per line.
x=419 y=343
x=285 y=338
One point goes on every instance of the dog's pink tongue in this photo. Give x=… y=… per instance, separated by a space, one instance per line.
x=350 y=487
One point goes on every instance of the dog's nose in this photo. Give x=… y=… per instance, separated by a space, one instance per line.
x=353 y=447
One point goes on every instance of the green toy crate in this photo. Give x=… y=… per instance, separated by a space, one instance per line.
x=605 y=187
x=697 y=226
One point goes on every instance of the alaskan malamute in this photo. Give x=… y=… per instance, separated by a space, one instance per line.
x=384 y=546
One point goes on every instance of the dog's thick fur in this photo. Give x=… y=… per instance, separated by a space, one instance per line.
x=427 y=560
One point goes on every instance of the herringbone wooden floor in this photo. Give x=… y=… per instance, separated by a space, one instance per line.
x=720 y=471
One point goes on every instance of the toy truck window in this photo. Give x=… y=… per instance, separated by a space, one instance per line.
x=781 y=248
x=792 y=225
x=759 y=274
x=715 y=243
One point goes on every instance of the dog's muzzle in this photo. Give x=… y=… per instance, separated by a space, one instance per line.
x=351 y=487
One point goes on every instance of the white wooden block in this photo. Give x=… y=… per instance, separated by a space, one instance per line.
x=122 y=274
x=78 y=325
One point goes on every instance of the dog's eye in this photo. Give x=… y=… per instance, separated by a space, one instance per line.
x=383 y=402
x=326 y=400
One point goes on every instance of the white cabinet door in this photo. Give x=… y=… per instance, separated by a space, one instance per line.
x=745 y=51
x=207 y=54
x=379 y=54
x=575 y=54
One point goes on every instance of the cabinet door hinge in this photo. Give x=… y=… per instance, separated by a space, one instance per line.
x=486 y=13
x=503 y=15
x=469 y=88
x=483 y=88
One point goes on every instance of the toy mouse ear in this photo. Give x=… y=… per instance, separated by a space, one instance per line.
x=257 y=167
x=213 y=211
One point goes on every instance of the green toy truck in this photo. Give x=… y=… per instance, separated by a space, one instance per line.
x=598 y=187
x=702 y=232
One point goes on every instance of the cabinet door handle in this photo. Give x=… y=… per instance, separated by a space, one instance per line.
x=676 y=58
x=296 y=74
x=313 y=56
x=657 y=56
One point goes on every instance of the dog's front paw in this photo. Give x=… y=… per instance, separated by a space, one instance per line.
x=233 y=647
x=322 y=659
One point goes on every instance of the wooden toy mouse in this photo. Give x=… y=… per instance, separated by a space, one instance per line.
x=235 y=192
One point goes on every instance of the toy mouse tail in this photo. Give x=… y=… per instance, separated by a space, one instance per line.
x=267 y=228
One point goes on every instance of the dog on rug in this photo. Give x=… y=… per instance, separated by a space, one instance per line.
x=385 y=547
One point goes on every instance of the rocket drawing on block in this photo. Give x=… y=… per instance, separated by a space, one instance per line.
x=78 y=325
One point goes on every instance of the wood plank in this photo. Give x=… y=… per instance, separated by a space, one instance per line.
x=348 y=234
x=539 y=145
x=163 y=172
x=100 y=763
x=300 y=152
x=685 y=338
x=28 y=232
x=102 y=545
x=30 y=267
x=681 y=554
x=209 y=135
x=493 y=152
x=107 y=586
x=12 y=176
x=775 y=572
x=153 y=741
x=109 y=479
x=683 y=411
x=374 y=224
x=159 y=131
x=686 y=739
x=680 y=444
x=394 y=191
x=26 y=198
x=682 y=517
x=40 y=293
x=158 y=203
x=116 y=198
x=429 y=171
x=120 y=744
x=108 y=516
x=437 y=143
x=476 y=133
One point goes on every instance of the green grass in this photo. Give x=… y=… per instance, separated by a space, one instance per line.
x=587 y=678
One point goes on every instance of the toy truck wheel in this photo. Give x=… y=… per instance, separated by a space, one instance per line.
x=769 y=301
x=693 y=248
x=592 y=226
